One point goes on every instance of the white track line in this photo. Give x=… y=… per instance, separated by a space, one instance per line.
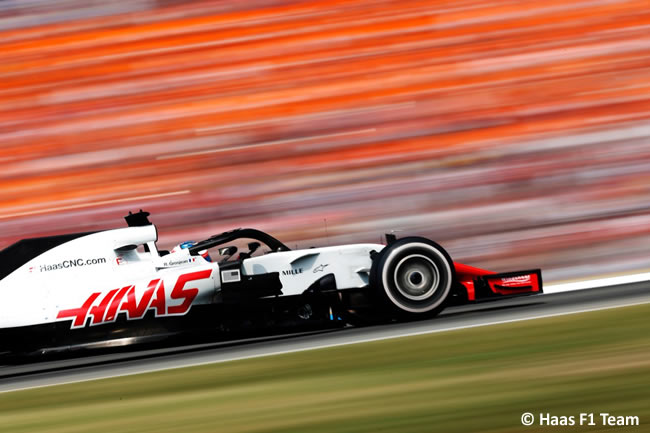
x=340 y=344
x=595 y=283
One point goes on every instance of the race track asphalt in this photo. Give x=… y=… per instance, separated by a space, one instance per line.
x=48 y=373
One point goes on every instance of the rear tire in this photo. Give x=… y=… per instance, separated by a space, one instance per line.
x=413 y=278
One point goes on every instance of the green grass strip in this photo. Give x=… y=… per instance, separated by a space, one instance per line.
x=474 y=380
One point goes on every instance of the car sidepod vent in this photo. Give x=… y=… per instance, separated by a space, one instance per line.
x=327 y=283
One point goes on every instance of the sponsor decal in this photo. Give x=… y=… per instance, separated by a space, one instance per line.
x=292 y=271
x=73 y=263
x=232 y=276
x=180 y=262
x=103 y=307
x=515 y=281
x=320 y=268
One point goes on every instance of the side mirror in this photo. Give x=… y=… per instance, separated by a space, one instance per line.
x=253 y=246
x=228 y=251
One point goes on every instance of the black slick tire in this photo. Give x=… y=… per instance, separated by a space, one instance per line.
x=412 y=278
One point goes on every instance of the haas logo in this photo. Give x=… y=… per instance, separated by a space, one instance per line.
x=104 y=309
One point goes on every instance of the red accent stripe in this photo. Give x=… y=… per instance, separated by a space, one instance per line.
x=467 y=270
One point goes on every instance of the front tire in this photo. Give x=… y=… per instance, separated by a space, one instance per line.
x=413 y=277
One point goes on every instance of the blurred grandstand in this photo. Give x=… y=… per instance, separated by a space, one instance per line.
x=517 y=134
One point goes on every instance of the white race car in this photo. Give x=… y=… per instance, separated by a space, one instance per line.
x=115 y=287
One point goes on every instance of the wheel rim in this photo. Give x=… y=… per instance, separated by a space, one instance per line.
x=432 y=299
x=416 y=277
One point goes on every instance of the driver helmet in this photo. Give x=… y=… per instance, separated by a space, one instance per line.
x=185 y=245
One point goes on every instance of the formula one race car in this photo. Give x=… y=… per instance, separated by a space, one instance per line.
x=115 y=287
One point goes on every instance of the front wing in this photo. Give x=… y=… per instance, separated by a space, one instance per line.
x=481 y=285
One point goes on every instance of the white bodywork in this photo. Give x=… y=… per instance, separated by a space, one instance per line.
x=103 y=274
